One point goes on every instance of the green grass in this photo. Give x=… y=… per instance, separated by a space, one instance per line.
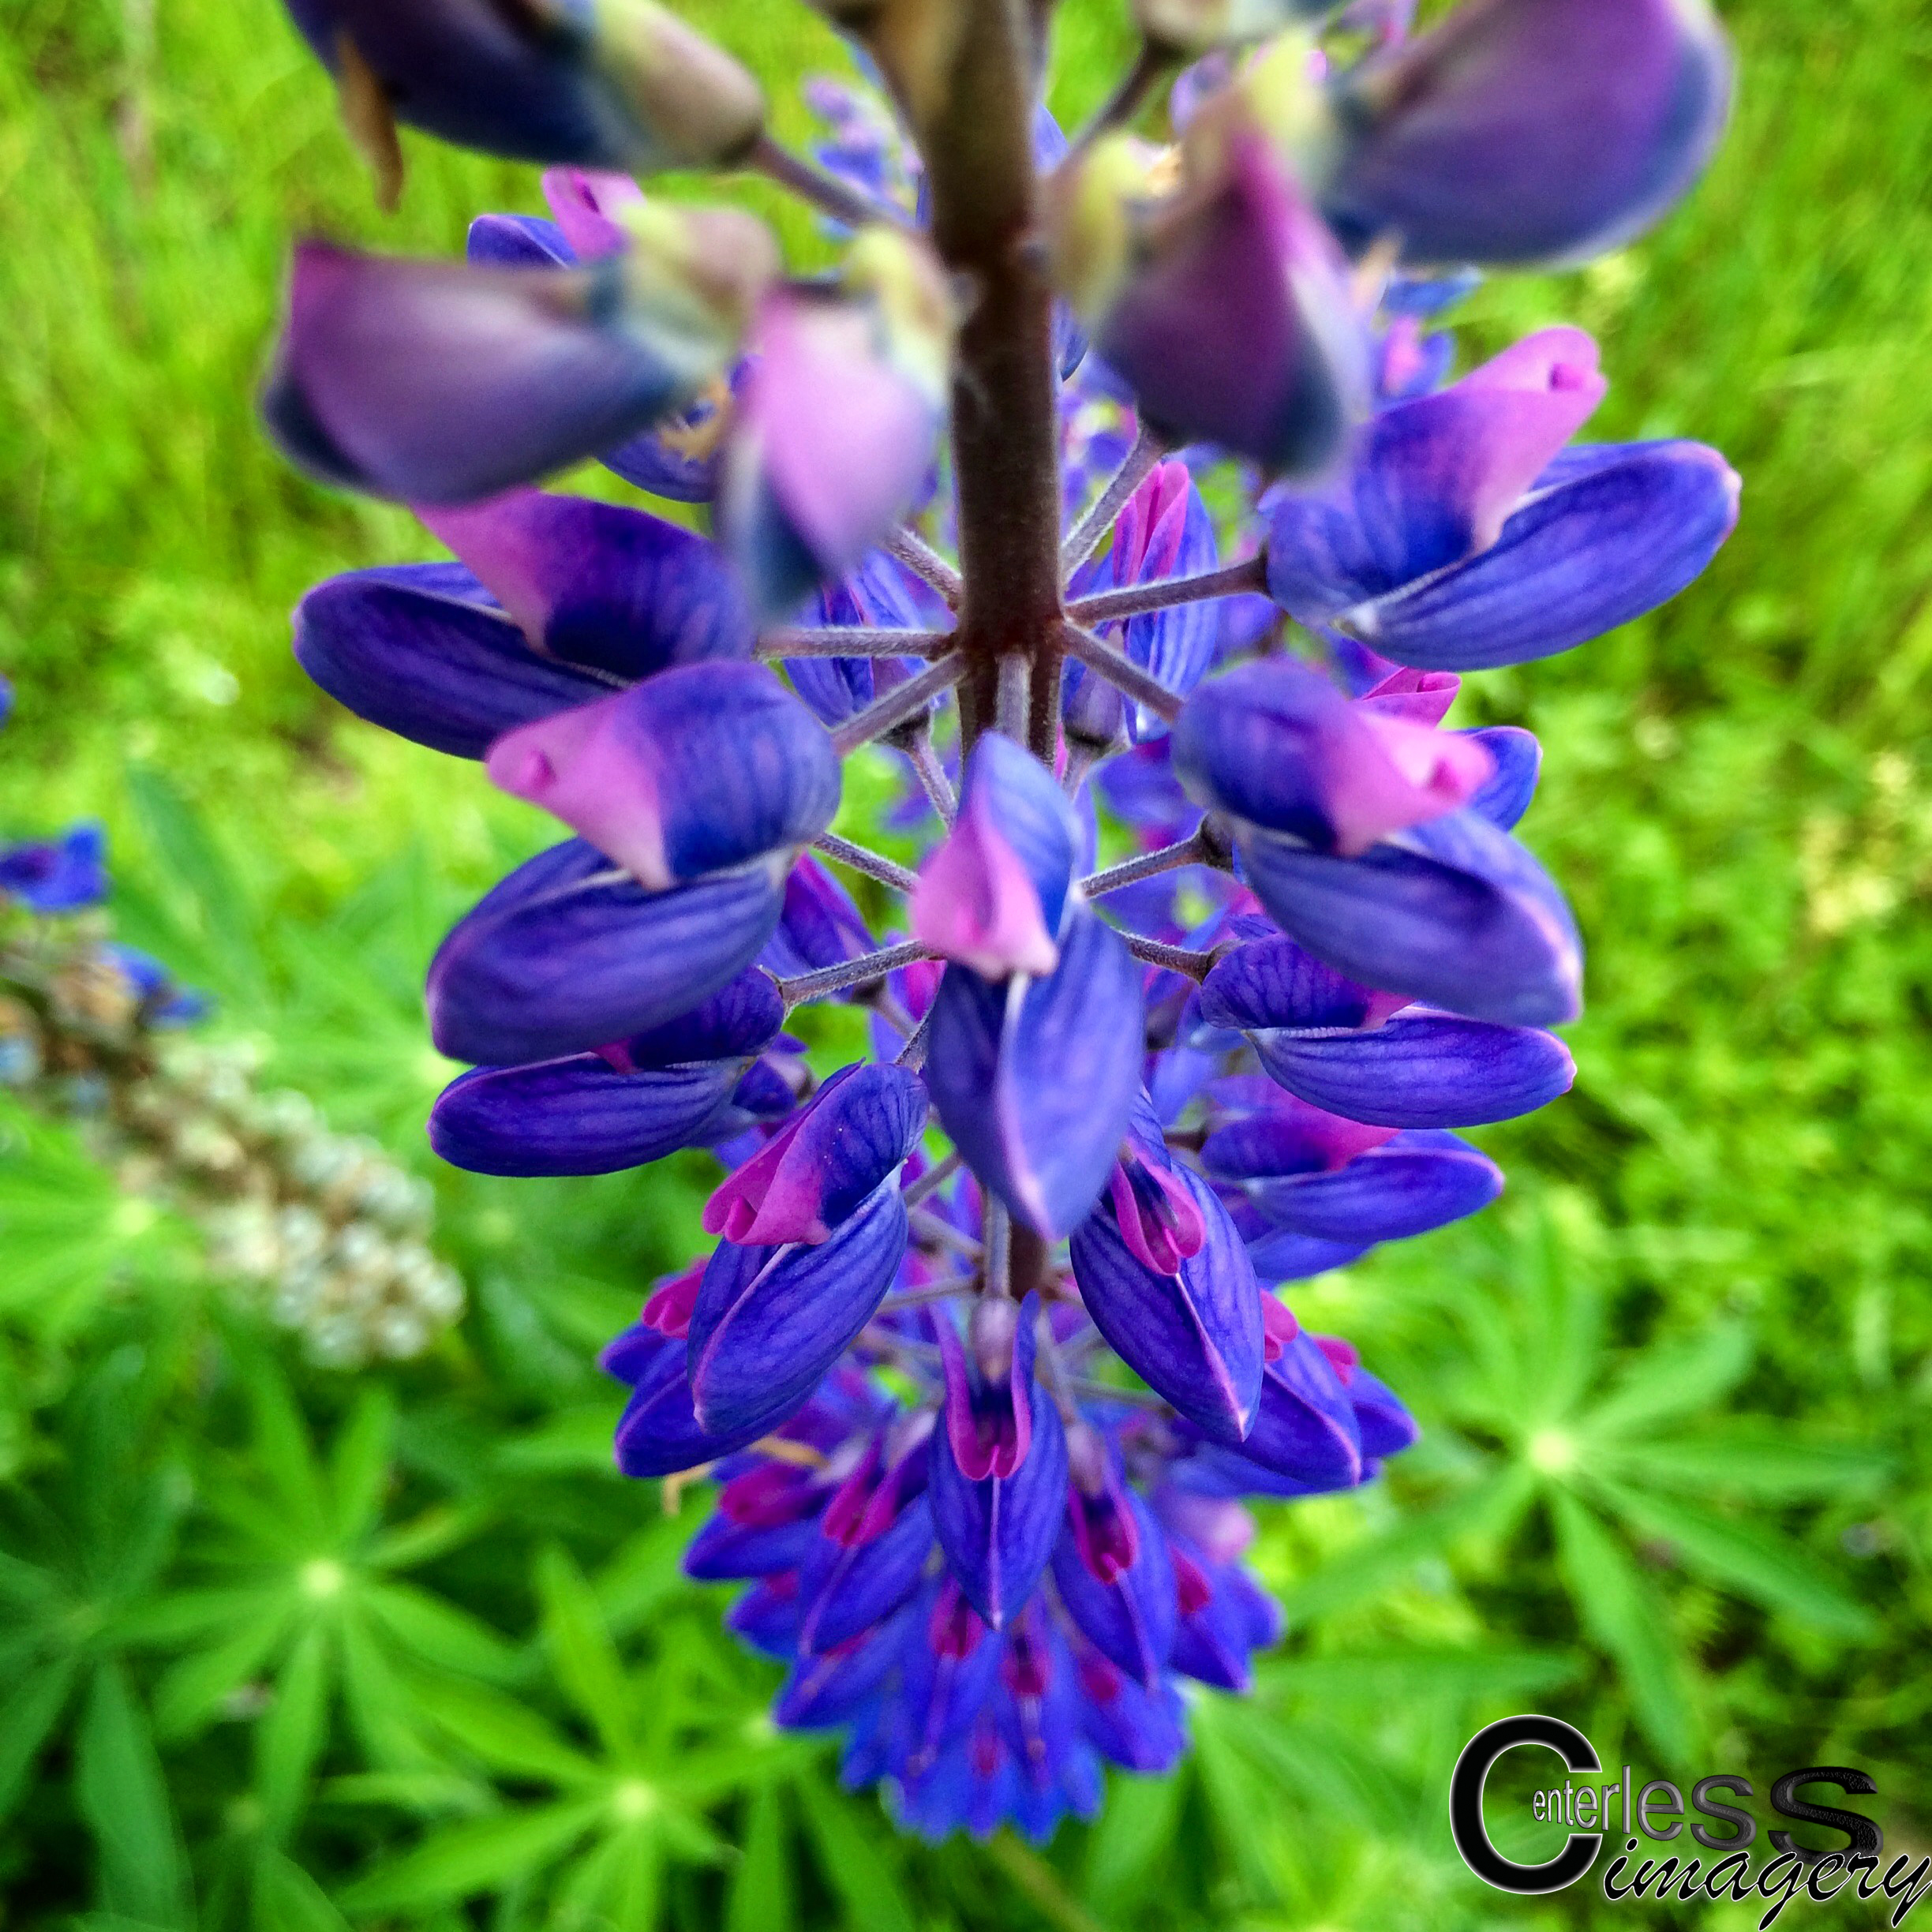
x=1737 y=796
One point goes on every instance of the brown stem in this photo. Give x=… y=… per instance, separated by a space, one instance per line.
x=1005 y=426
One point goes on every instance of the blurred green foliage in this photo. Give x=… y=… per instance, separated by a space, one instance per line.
x=281 y=1648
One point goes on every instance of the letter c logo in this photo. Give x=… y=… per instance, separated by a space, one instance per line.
x=1465 y=1798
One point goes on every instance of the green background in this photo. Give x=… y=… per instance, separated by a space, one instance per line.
x=280 y=1647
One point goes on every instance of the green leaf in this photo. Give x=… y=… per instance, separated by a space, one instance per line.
x=1757 y=1459
x=852 y=1863
x=645 y=1574
x=1672 y=1380
x=439 y=1633
x=359 y=1467
x=476 y=1856
x=618 y=1883
x=582 y=1653
x=283 y=1454
x=122 y=1796
x=29 y=1713
x=1375 y=1563
x=287 y=1900
x=190 y=1690
x=1768 y=1570
x=1132 y=1844
x=434 y=1534
x=204 y=889
x=290 y=1738
x=1621 y=1612
x=762 y=1898
x=1407 y=1675
x=506 y=1735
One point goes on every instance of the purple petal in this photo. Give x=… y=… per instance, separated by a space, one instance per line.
x=831 y=1158
x=1236 y=328
x=1421 y=1069
x=545 y=84
x=1306 y=1429
x=1275 y=982
x=828 y=1689
x=1458 y=914
x=1387 y=1427
x=993 y=895
x=1034 y=1079
x=1139 y=1730
x=567 y=953
x=417 y=649
x=518 y=241
x=1611 y=533
x=694 y=771
x=770 y=1321
x=847 y=1588
x=1130 y=1620
x=599 y=584
x=821 y=926
x=576 y=1116
x=659 y=1433
x=1195 y=1336
x=725 y=1552
x=1530 y=130
x=437 y=382
x=1518 y=760
x=1276 y=745
x=1430 y=482
x=881 y=592
x=836 y=428
x=997 y=1532
x=1421 y=1180
x=1224 y=1617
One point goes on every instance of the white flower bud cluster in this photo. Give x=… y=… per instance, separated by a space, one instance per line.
x=328 y=1235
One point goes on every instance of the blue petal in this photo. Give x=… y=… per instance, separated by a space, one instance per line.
x=1607 y=535
x=1131 y=1621
x=1419 y=1181
x=998 y=1534
x=1035 y=1079
x=770 y=1322
x=847 y=1589
x=576 y=1116
x=1458 y=914
x=659 y=1432
x=567 y=952
x=1421 y=1069
x=1195 y=1337
x=419 y=649
x=1504 y=796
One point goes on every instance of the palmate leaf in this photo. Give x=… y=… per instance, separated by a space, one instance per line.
x=476 y=1856
x=435 y=1630
x=1766 y=1569
x=1621 y=1611
x=124 y=1799
x=618 y=1881
x=359 y=1465
x=191 y=1690
x=287 y=1899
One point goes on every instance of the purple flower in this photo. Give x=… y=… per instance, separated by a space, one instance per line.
x=990 y=1343
x=66 y=875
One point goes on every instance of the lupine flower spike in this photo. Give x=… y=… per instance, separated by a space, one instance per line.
x=991 y=1343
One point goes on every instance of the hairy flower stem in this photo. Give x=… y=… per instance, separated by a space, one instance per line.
x=861 y=972
x=1005 y=430
x=1086 y=536
x=811 y=183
